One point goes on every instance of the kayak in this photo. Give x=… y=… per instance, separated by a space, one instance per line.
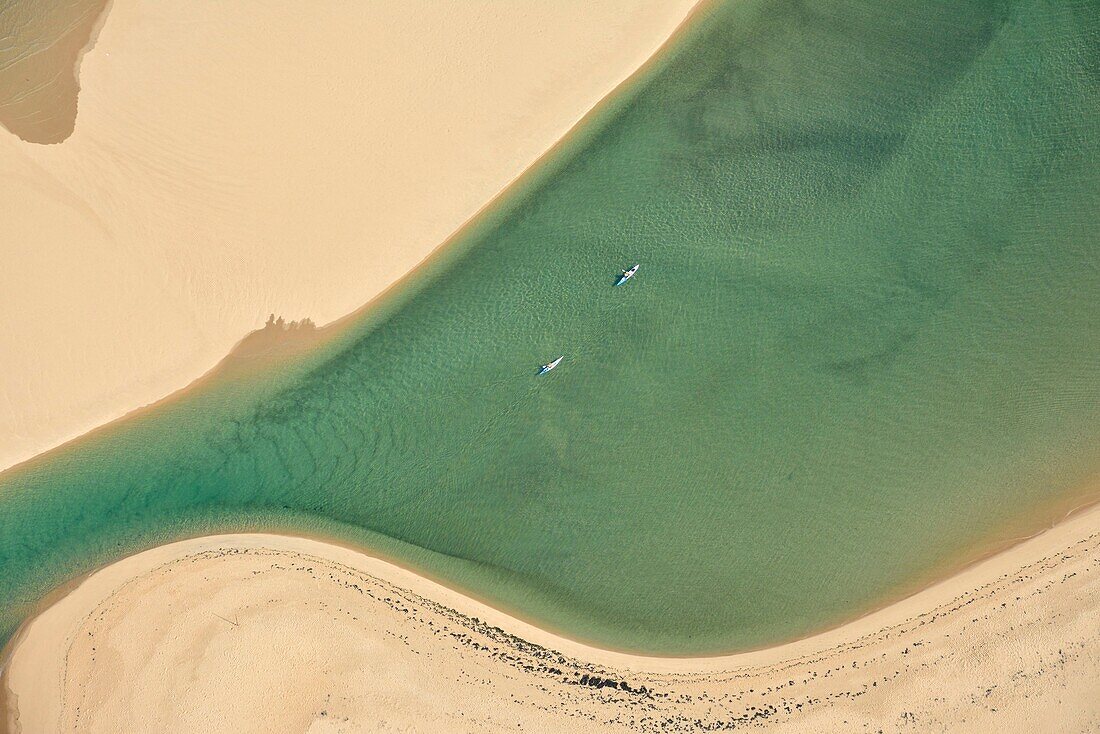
x=550 y=365
x=627 y=275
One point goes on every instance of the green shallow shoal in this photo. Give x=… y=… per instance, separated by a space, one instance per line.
x=864 y=343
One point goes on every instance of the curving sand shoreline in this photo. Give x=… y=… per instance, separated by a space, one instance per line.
x=227 y=633
x=373 y=131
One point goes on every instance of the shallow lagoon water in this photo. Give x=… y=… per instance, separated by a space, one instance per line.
x=863 y=346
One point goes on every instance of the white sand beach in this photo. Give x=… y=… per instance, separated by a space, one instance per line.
x=233 y=160
x=232 y=633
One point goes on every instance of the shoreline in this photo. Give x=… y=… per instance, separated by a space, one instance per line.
x=44 y=637
x=948 y=573
x=352 y=277
x=397 y=571
x=933 y=578
x=239 y=358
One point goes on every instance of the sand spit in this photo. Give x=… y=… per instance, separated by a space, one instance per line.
x=233 y=633
x=43 y=43
x=231 y=160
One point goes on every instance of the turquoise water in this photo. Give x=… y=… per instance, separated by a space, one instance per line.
x=864 y=343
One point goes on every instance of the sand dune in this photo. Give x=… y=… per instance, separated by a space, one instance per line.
x=231 y=160
x=232 y=633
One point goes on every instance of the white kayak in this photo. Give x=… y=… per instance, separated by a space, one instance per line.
x=550 y=365
x=627 y=275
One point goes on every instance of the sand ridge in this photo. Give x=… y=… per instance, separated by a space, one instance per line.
x=231 y=633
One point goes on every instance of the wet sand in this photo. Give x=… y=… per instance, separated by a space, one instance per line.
x=372 y=132
x=229 y=633
x=43 y=44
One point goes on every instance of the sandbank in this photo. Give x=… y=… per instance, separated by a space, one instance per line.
x=234 y=632
x=234 y=160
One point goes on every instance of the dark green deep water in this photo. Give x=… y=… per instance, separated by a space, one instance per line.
x=864 y=342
